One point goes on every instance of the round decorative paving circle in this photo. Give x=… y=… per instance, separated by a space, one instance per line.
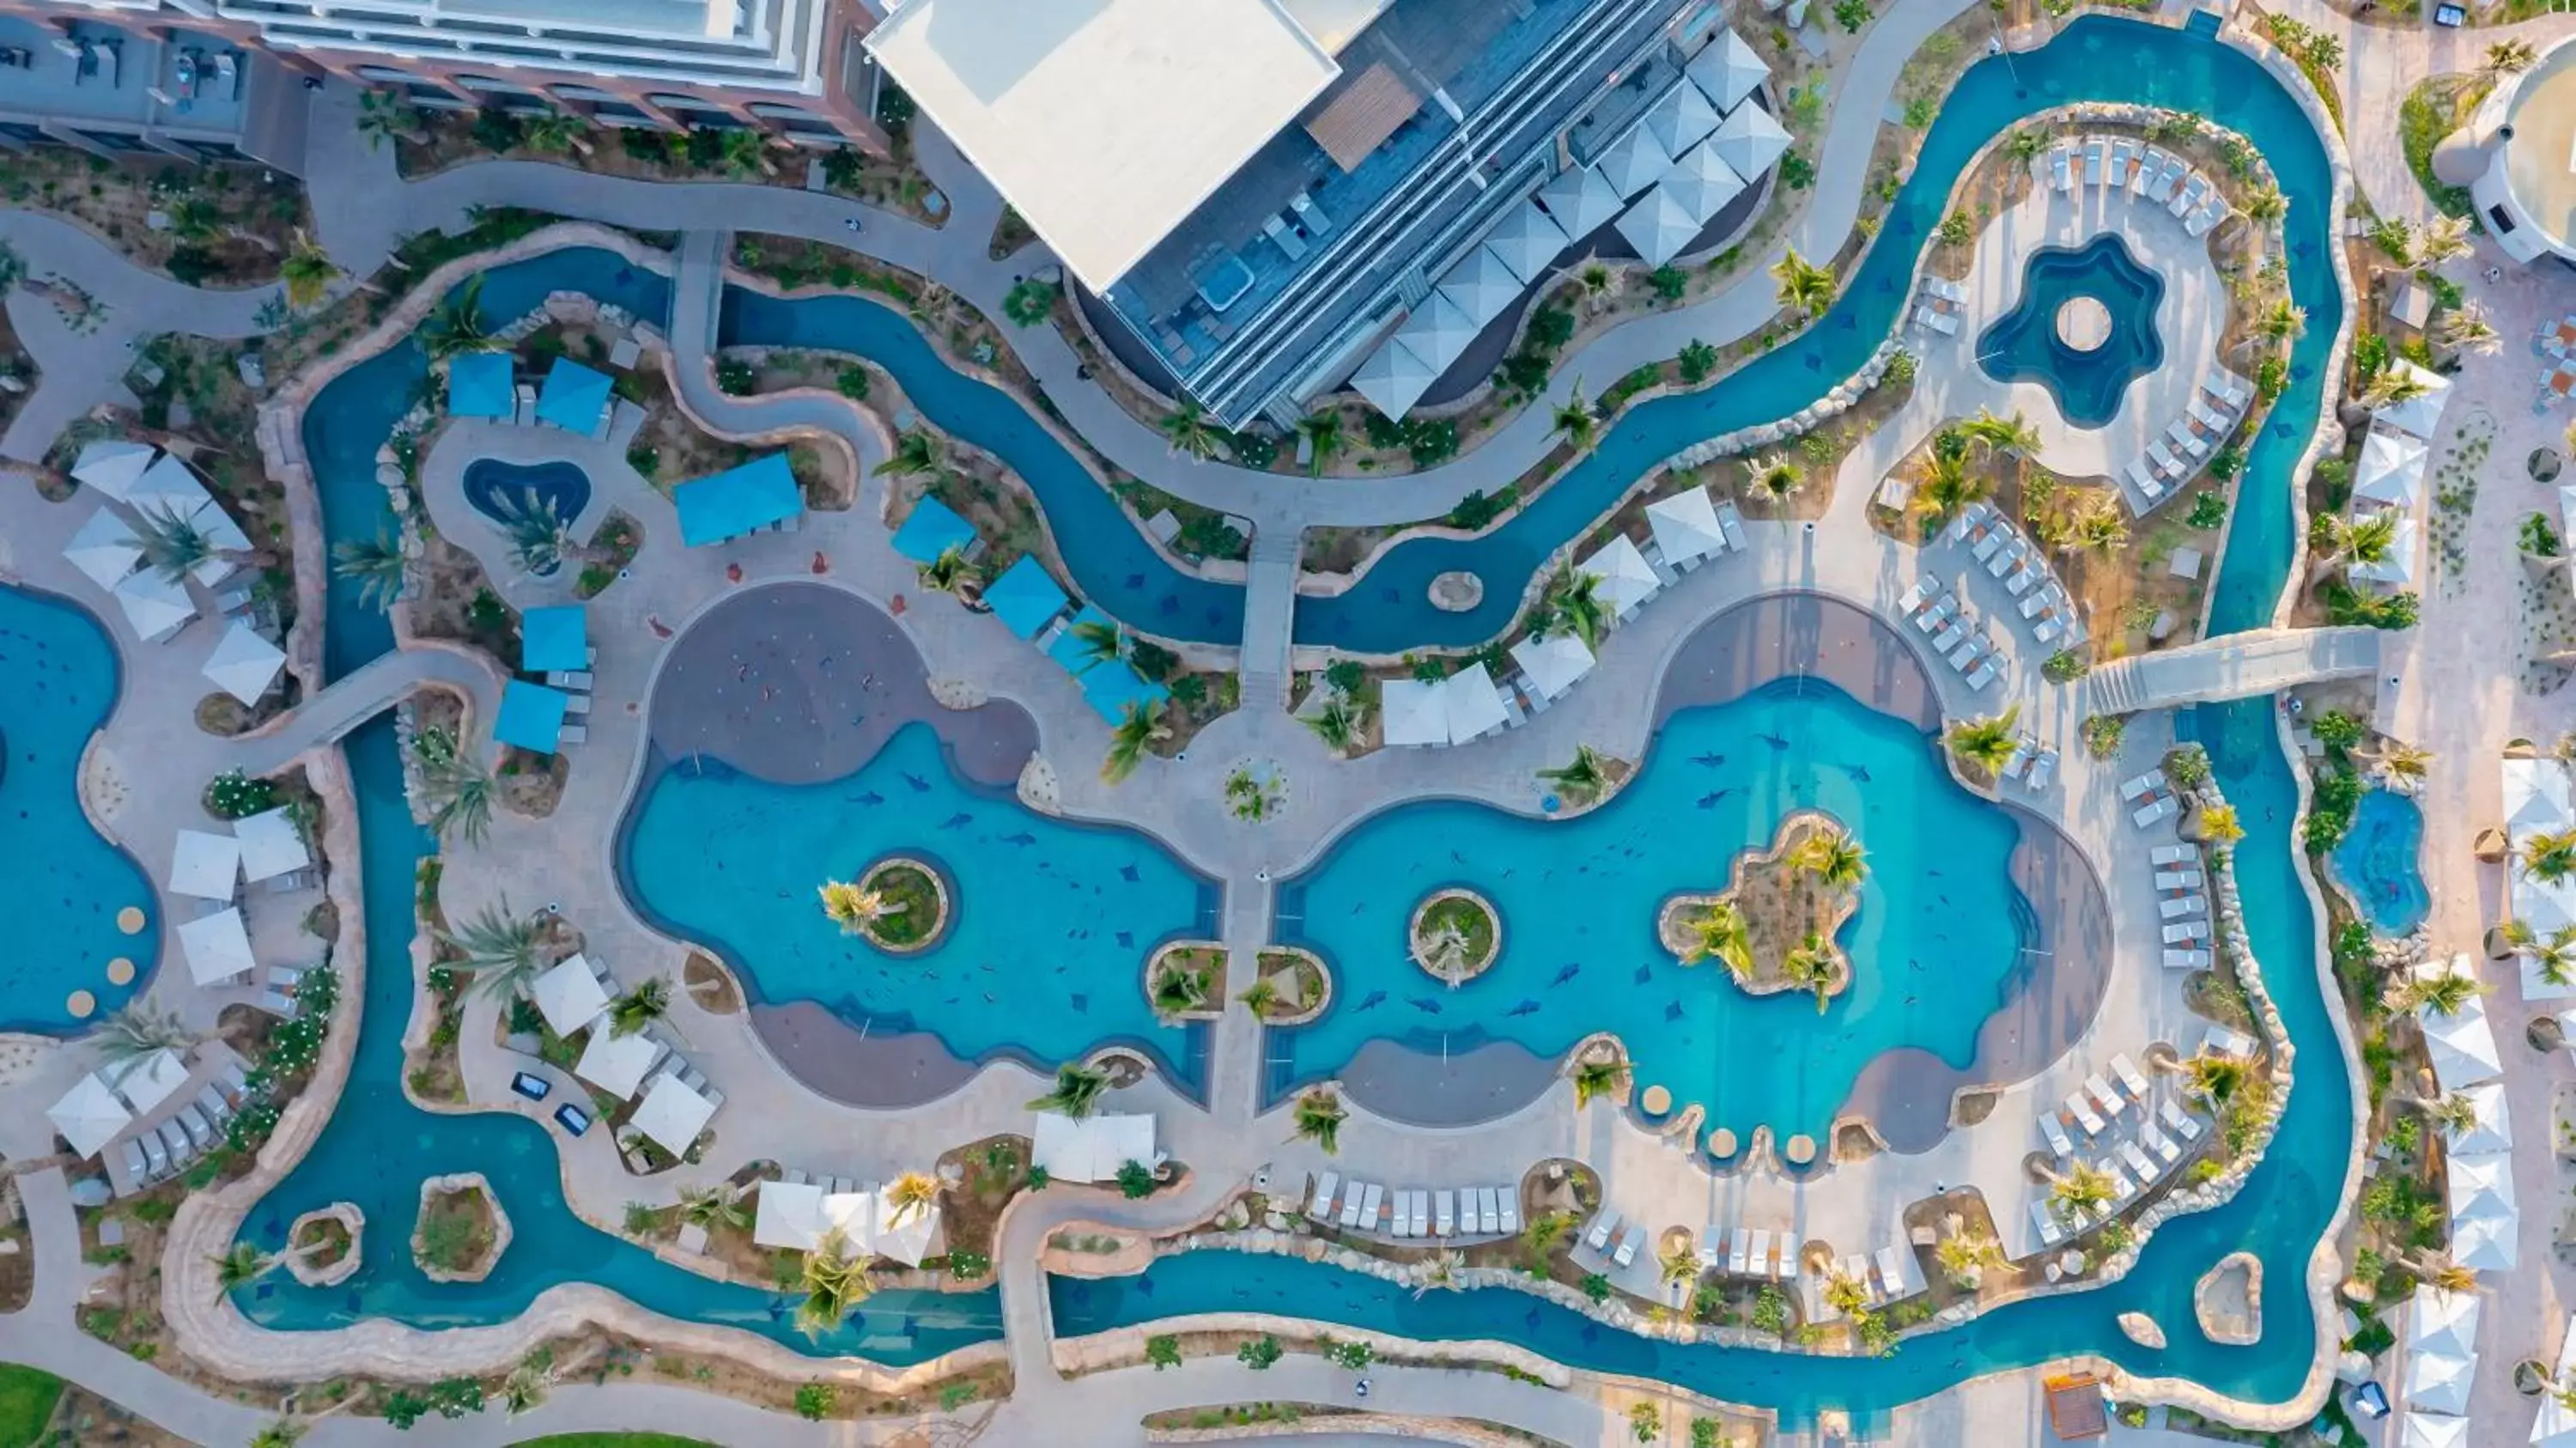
x=130 y=920
x=1657 y=1101
x=120 y=971
x=2083 y=323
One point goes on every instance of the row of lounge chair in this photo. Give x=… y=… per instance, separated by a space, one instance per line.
x=1749 y=1253
x=2144 y=172
x=2134 y=1163
x=2031 y=763
x=194 y=1129
x=1958 y=641
x=1608 y=1235
x=2151 y=798
x=1998 y=547
x=1416 y=1212
x=2213 y=412
x=1887 y=1274
x=2179 y=875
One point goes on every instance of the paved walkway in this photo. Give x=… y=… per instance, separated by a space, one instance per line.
x=2238 y=666
x=365 y=692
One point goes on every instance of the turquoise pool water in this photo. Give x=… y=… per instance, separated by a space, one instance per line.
x=64 y=884
x=2380 y=862
x=500 y=491
x=1045 y=955
x=379 y=1147
x=1939 y=929
x=2023 y=344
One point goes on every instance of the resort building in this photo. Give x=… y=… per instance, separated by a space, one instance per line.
x=2513 y=156
x=793 y=68
x=189 y=93
x=1257 y=198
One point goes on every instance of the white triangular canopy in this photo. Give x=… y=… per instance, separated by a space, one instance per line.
x=1092 y=1149
x=2536 y=796
x=243 y=663
x=1527 y=240
x=89 y=1116
x=1634 y=162
x=205 y=866
x=2462 y=1046
x=1750 y=140
x=104 y=549
x=1681 y=119
x=1470 y=705
x=168 y=487
x=1685 y=526
x=2391 y=470
x=672 y=1114
x=618 y=1064
x=2439 y=1382
x=1627 y=580
x=1579 y=200
x=1438 y=332
x=1393 y=378
x=1481 y=286
x=1414 y=714
x=2556 y=1425
x=154 y=607
x=217 y=946
x=2443 y=1322
x=1727 y=70
x=1702 y=182
x=1658 y=226
x=2487 y=1243
x=1553 y=663
x=788 y=1216
x=2421 y=414
x=271 y=845
x=2481 y=1186
x=112 y=464
x=147 y=1082
x=2545 y=906
x=868 y=1221
x=569 y=996
x=2493 y=1129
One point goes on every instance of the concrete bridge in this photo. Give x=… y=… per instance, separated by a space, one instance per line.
x=2237 y=666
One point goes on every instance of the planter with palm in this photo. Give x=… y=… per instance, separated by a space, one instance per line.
x=465 y=814
x=239 y=1267
x=1596 y=1075
x=1582 y=781
x=1318 y=1116
x=1135 y=734
x=502 y=948
x=136 y=1031
x=1455 y=934
x=833 y=1283
x=175 y=544
x=640 y=1007
x=1077 y=1091
x=1188 y=431
x=1322 y=433
x=1985 y=744
x=1573 y=605
x=950 y=573
x=1805 y=289
x=1337 y=723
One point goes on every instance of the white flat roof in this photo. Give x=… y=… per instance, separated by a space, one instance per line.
x=1104 y=122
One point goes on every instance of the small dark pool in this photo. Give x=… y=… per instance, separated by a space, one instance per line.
x=2024 y=345
x=498 y=490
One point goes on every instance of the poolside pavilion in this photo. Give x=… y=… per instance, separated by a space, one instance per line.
x=931 y=530
x=618 y=1064
x=154 y=607
x=217 y=946
x=1553 y=662
x=1627 y=580
x=554 y=639
x=531 y=717
x=672 y=1114
x=1025 y=598
x=271 y=845
x=89 y=1116
x=569 y=995
x=205 y=866
x=104 y=549
x=147 y=1082
x=1093 y=1148
x=479 y=384
x=574 y=398
x=739 y=501
x=112 y=464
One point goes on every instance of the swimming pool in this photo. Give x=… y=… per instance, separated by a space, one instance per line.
x=65 y=884
x=501 y=491
x=1044 y=958
x=2085 y=375
x=2380 y=862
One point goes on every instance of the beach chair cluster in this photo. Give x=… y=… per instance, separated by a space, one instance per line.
x=1754 y=1252
x=193 y=1129
x=1886 y=1275
x=2151 y=799
x=1937 y=310
x=1959 y=640
x=2128 y=1135
x=2215 y=409
x=2000 y=549
x=1614 y=1239
x=1411 y=1212
x=2118 y=164
x=2179 y=876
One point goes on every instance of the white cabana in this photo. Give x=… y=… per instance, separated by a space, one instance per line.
x=1414 y=714
x=1393 y=378
x=2481 y=1191
x=271 y=845
x=217 y=946
x=1527 y=240
x=1702 y=182
x=569 y=996
x=1685 y=526
x=1580 y=200
x=1092 y=1149
x=1627 y=580
x=1470 y=705
x=2438 y=1382
x=1553 y=663
x=2463 y=1045
x=2433 y=1430
x=1481 y=286
x=1437 y=332
x=112 y=464
x=204 y=866
x=618 y=1064
x=1634 y=162
x=672 y=1114
x=1727 y=70
x=2391 y=469
x=2536 y=796
x=2397 y=567
x=243 y=664
x=155 y=607
x=789 y=1216
x=2487 y=1243
x=1658 y=226
x=2443 y=1322
x=89 y=1116
x=2493 y=1128
x=150 y=1080
x=2556 y=1425
x=2420 y=415
x=869 y=1222
x=1681 y=119
x=167 y=489
x=1749 y=140
x=104 y=549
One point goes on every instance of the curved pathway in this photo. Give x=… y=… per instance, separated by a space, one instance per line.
x=367 y=691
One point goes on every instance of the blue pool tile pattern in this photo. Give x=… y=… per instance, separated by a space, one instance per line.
x=2023 y=345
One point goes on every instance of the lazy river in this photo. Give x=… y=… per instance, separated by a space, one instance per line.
x=2281 y=1214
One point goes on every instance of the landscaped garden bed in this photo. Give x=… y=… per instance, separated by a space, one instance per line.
x=461 y=1231
x=900 y=905
x=1774 y=924
x=1455 y=935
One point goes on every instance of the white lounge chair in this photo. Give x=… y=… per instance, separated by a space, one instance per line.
x=1603 y=1225
x=1319 y=1207
x=2131 y=1080
x=2182 y=932
x=2137 y=788
x=2043 y=770
x=2159 y=1143
x=1988 y=546
x=2138 y=1161
x=1628 y=1241
x=1444 y=1213
x=2186 y=960
x=2061 y=176
x=1351 y=1206
x=2178 y=1121
x=2053 y=1131
x=2086 y=1118
x=2174 y=854
x=2177 y=879
x=1739 y=1255
x=2156 y=811
x=2044 y=1222
x=1983 y=675
x=1511 y=1206
x=2113 y=1103
x=1370 y=1207
x=2179 y=908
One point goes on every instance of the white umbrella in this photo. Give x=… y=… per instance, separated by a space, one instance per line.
x=875 y=1229
x=1627 y=580
x=2545 y=906
x=569 y=996
x=168 y=487
x=2421 y=414
x=1634 y=162
x=1091 y=1149
x=2439 y=1381
x=1702 y=182
x=1685 y=526
x=217 y=946
x=2481 y=1186
x=224 y=535
x=789 y=1216
x=2462 y=1046
x=104 y=549
x=1580 y=200
x=672 y=1114
x=1393 y=378
x=153 y=1079
x=111 y=465
x=2493 y=1128
x=270 y=845
x=1681 y=119
x=1727 y=70
x=88 y=1115
x=1414 y=713
x=154 y=607
x=244 y=664
x=2443 y=1322
x=1658 y=226
x=207 y=867
x=2433 y=1430
x=1750 y=140
x=1481 y=286
x=2556 y=1425
x=1553 y=663
x=2391 y=470
x=1471 y=706
x=1437 y=332
x=2535 y=796
x=2397 y=567
x=2487 y=1244
x=1527 y=240
x=618 y=1064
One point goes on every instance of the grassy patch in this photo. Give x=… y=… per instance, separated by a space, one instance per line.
x=2431 y=111
x=27 y=1399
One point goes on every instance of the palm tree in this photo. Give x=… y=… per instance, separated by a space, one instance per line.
x=243 y=1265
x=537 y=536
x=1127 y=744
x=2216 y=1079
x=2445 y=237
x=910 y=1195
x=553 y=133
x=1178 y=991
x=1965 y=1257
x=2393 y=387
x=2100 y=525
x=2219 y=825
x=711 y=1207
x=1337 y=723
x=1596 y=1078
x=455 y=326
x=1573 y=605
x=2444 y=993
x=2265 y=204
x=1259 y=996
x=1776 y=478
x=1575 y=420
x=2282 y=321
x=1948 y=485
x=2083 y=1192
x=2027 y=144
x=284 y=1433
x=1805 y=288
x=2553 y=955
x=1719 y=932
x=2405 y=761
x=746 y=153
x=2466 y=329
x=498 y=945
x=1987 y=743
x=2549 y=856
x=917 y=451
x=2367 y=540
x=1442 y=949
x=1678 y=1263
x=2455 y=1113
x=1323 y=434
x=384 y=116
x=1099 y=640
x=172 y=544
x=13 y=267
x=1077 y=1091
x=947 y=573
x=2442 y=1273
x=833 y=1285
x=2015 y=434
x=854 y=908
x=526 y=1386
x=466 y=814
x=1186 y=429
x=135 y=1031
x=1845 y=1294
x=1830 y=855
x=375 y=564
x=648 y=1002
x=1582 y=781
x=307 y=271
x=2507 y=56
x=1810 y=966
x=1319 y=1117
